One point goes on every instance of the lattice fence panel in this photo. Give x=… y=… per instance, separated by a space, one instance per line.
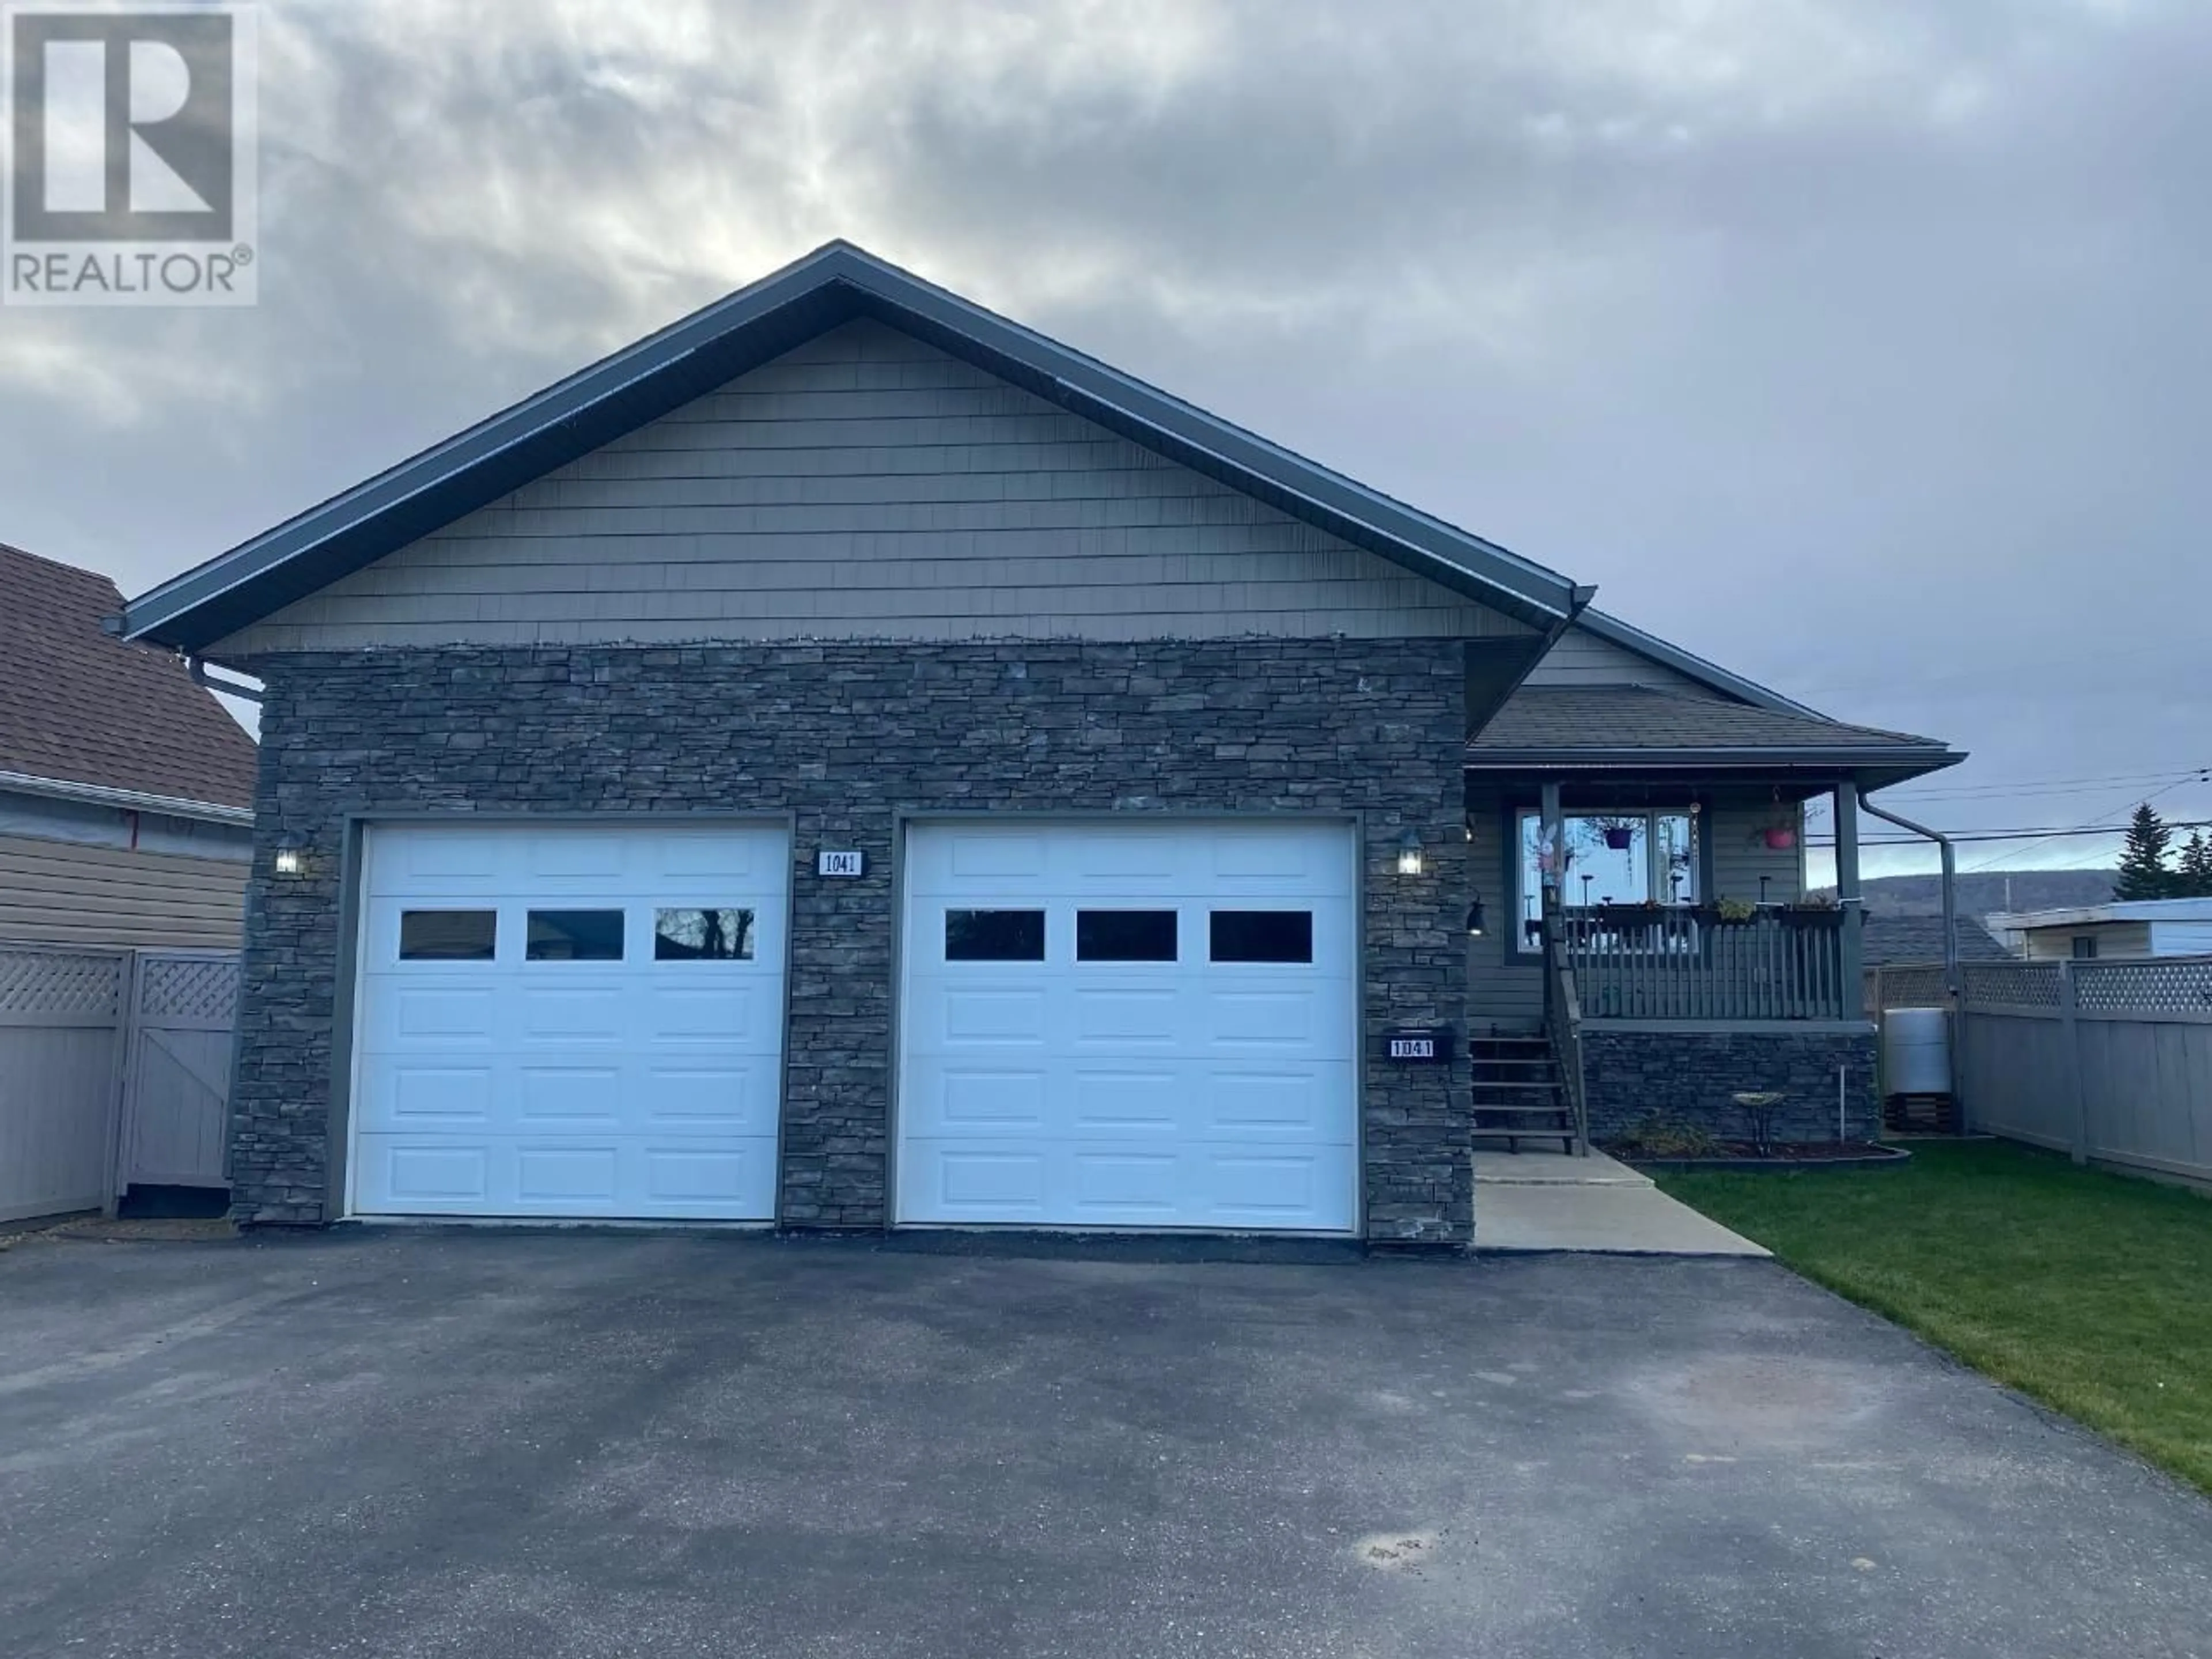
x=2012 y=984
x=194 y=990
x=1911 y=987
x=60 y=982
x=2173 y=985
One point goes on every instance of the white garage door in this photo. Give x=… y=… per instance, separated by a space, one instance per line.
x=1130 y=1025
x=569 y=1021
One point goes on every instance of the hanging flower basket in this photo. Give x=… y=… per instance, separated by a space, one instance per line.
x=1781 y=837
x=1618 y=837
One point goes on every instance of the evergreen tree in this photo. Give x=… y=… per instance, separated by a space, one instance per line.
x=2192 y=878
x=2142 y=873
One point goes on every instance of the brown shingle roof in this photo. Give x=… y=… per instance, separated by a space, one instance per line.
x=79 y=707
x=1919 y=939
x=1612 y=718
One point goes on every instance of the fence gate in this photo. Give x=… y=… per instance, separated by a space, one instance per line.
x=61 y=1011
x=176 y=1094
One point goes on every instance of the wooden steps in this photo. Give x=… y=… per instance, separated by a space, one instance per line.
x=1519 y=1094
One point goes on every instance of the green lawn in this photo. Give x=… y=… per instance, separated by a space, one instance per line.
x=2092 y=1292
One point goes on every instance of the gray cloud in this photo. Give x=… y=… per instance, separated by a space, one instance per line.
x=1853 y=342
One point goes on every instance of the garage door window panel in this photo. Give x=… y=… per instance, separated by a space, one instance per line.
x=574 y=936
x=994 y=936
x=448 y=935
x=722 y=934
x=1256 y=936
x=1125 y=936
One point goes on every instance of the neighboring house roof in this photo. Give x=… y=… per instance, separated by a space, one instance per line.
x=1634 y=727
x=85 y=714
x=2175 y=909
x=1919 y=939
x=832 y=285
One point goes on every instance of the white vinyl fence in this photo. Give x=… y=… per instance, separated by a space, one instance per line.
x=2106 y=1060
x=114 y=1069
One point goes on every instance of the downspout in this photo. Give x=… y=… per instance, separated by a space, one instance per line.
x=1950 y=886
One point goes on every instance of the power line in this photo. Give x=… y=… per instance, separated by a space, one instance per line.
x=2115 y=807
x=2014 y=835
x=1944 y=787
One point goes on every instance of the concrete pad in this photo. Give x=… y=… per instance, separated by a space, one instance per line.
x=1619 y=1220
x=1595 y=1169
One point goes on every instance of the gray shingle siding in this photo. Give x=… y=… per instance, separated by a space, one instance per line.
x=1580 y=657
x=869 y=485
x=845 y=738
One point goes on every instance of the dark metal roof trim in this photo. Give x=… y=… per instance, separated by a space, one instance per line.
x=1491 y=760
x=1871 y=765
x=714 y=345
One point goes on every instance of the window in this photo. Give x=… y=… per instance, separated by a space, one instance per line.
x=702 y=935
x=448 y=935
x=574 y=936
x=1262 y=935
x=994 y=936
x=1125 y=936
x=1637 y=857
x=2085 y=947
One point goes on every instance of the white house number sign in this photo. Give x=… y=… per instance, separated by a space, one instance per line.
x=829 y=863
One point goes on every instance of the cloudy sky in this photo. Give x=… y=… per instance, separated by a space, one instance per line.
x=1860 y=344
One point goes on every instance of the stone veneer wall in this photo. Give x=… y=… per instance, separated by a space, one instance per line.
x=844 y=736
x=1688 y=1076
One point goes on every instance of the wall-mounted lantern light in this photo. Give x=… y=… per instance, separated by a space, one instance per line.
x=1477 y=923
x=1409 y=853
x=288 y=862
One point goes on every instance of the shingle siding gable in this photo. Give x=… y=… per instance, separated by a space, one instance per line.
x=870 y=486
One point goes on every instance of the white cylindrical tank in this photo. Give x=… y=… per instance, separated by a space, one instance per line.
x=1916 y=1051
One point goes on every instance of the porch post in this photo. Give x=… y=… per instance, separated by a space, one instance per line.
x=1551 y=884
x=1555 y=835
x=1847 y=899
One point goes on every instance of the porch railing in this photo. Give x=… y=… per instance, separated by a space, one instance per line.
x=1694 y=964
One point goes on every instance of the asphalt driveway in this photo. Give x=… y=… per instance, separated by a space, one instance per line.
x=489 y=1443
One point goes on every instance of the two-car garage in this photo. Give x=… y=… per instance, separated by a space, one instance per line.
x=1100 y=1023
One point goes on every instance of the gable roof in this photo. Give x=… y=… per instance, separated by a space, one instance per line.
x=1637 y=727
x=1631 y=638
x=1919 y=940
x=832 y=285
x=96 y=716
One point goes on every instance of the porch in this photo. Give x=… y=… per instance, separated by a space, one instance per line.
x=1643 y=944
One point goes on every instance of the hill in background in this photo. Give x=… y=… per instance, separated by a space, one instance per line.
x=1985 y=892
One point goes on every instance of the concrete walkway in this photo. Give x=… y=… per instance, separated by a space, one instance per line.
x=1549 y=1201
